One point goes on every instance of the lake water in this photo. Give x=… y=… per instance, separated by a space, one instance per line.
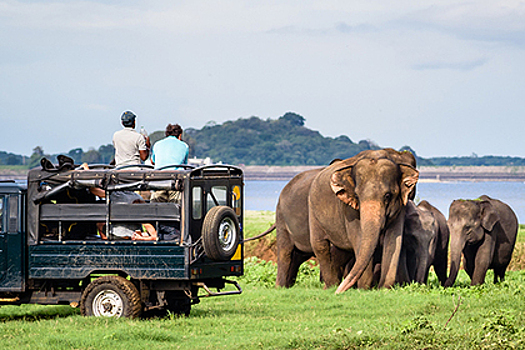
x=263 y=195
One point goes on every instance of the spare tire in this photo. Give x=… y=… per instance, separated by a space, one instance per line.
x=220 y=233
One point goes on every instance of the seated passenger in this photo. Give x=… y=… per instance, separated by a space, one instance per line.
x=133 y=231
x=169 y=231
x=169 y=151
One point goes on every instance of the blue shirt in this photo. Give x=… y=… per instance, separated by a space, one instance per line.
x=169 y=151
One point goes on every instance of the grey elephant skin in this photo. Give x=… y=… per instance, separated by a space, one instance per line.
x=351 y=206
x=425 y=244
x=484 y=230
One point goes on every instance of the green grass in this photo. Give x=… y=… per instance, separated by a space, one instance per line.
x=303 y=317
x=256 y=222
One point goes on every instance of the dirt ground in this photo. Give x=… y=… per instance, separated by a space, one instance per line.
x=263 y=248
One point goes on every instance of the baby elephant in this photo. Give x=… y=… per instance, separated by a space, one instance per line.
x=484 y=230
x=425 y=243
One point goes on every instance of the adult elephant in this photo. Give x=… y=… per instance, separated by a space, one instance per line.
x=292 y=231
x=425 y=244
x=349 y=206
x=485 y=231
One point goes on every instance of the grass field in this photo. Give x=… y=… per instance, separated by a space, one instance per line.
x=303 y=317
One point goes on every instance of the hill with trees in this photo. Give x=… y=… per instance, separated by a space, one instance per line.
x=254 y=141
x=285 y=141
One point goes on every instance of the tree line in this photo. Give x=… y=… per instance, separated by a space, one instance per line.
x=254 y=141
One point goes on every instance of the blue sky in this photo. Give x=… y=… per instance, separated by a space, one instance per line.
x=444 y=77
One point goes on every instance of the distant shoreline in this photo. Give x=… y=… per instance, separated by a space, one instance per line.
x=426 y=173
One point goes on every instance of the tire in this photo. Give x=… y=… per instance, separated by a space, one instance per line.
x=111 y=296
x=220 y=233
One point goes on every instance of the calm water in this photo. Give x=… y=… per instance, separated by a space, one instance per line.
x=263 y=195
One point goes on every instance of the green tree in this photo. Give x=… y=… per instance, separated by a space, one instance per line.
x=107 y=153
x=34 y=160
x=91 y=157
x=76 y=154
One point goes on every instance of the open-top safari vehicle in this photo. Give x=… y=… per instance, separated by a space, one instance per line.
x=56 y=245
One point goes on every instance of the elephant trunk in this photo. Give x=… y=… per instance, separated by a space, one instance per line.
x=371 y=224
x=456 y=248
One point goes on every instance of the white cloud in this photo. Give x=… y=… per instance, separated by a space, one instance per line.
x=368 y=69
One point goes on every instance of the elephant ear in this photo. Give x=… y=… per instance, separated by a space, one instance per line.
x=489 y=216
x=344 y=187
x=409 y=178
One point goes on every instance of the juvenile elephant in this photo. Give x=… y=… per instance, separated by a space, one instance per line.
x=425 y=244
x=484 y=230
x=349 y=206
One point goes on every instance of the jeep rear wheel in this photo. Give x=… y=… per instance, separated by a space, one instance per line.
x=220 y=233
x=111 y=296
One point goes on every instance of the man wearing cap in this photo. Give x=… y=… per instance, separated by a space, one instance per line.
x=130 y=146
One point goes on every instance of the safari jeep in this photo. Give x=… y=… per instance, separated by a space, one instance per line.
x=56 y=245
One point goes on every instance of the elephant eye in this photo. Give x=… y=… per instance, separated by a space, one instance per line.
x=388 y=197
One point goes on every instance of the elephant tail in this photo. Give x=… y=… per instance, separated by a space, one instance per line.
x=261 y=235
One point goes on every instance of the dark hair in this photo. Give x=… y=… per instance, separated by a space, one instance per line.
x=173 y=130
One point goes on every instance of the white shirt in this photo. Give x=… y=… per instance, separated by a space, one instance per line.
x=127 y=144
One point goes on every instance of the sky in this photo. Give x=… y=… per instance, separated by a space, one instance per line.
x=446 y=78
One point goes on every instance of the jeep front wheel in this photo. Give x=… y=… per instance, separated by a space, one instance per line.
x=111 y=296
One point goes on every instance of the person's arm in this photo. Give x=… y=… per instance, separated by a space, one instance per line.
x=98 y=192
x=150 y=230
x=187 y=155
x=152 y=156
x=144 y=147
x=144 y=154
x=94 y=190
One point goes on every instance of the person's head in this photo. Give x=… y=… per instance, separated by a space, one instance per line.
x=174 y=130
x=128 y=119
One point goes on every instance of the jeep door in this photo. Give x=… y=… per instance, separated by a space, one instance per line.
x=12 y=274
x=3 y=228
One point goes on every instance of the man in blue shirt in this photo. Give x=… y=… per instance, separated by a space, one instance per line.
x=169 y=151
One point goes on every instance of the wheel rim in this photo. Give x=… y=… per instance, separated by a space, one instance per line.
x=108 y=303
x=227 y=234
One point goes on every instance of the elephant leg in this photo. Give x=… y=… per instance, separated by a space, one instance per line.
x=499 y=274
x=391 y=252
x=343 y=260
x=288 y=259
x=483 y=260
x=403 y=276
x=330 y=272
x=469 y=258
x=298 y=258
x=322 y=250
x=367 y=278
x=440 y=267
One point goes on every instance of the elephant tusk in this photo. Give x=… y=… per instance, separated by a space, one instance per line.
x=345 y=285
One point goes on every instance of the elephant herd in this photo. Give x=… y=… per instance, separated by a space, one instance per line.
x=358 y=218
